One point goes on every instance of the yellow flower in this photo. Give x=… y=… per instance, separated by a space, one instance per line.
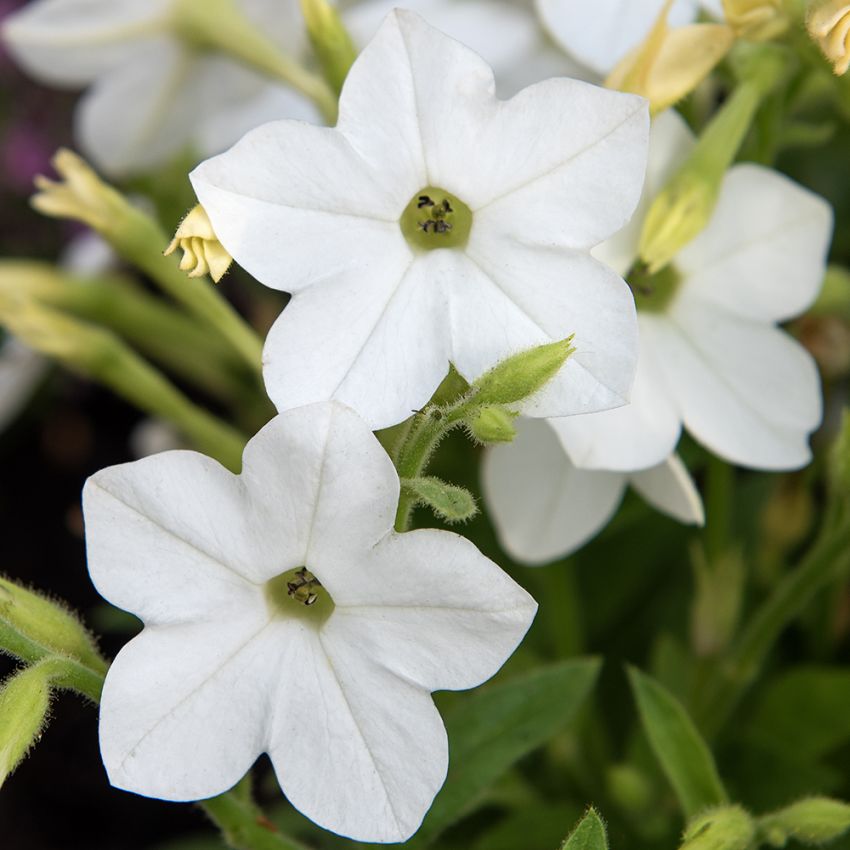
x=202 y=252
x=671 y=62
x=828 y=23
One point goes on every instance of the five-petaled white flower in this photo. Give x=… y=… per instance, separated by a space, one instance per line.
x=711 y=354
x=283 y=615
x=601 y=33
x=152 y=92
x=544 y=507
x=436 y=224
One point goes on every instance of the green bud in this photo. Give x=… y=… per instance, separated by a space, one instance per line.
x=492 y=425
x=817 y=820
x=448 y=501
x=630 y=788
x=333 y=45
x=33 y=627
x=520 y=376
x=686 y=204
x=24 y=703
x=723 y=828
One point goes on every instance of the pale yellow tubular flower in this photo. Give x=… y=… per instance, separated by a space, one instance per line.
x=828 y=23
x=672 y=61
x=202 y=252
x=757 y=20
x=80 y=195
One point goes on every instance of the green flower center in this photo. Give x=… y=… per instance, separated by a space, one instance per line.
x=435 y=218
x=653 y=292
x=298 y=593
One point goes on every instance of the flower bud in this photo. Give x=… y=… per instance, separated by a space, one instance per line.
x=333 y=45
x=671 y=62
x=828 y=23
x=492 y=425
x=32 y=627
x=723 y=828
x=817 y=820
x=202 y=252
x=448 y=501
x=756 y=20
x=24 y=703
x=520 y=376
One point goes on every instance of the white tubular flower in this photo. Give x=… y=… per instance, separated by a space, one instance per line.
x=601 y=33
x=151 y=93
x=436 y=223
x=283 y=615
x=545 y=508
x=711 y=354
x=505 y=34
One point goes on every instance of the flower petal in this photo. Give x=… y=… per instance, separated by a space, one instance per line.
x=289 y=224
x=570 y=168
x=431 y=609
x=21 y=369
x=634 y=436
x=522 y=296
x=602 y=33
x=543 y=506
x=763 y=254
x=356 y=749
x=184 y=709
x=69 y=43
x=670 y=143
x=669 y=488
x=749 y=392
x=149 y=109
x=374 y=341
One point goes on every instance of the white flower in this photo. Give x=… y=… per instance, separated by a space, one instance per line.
x=151 y=93
x=511 y=195
x=711 y=354
x=601 y=33
x=506 y=34
x=21 y=370
x=283 y=615
x=544 y=507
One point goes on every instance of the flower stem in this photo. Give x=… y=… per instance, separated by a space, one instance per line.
x=244 y=826
x=827 y=560
x=73 y=675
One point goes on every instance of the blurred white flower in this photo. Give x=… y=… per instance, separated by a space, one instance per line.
x=711 y=354
x=21 y=371
x=544 y=507
x=506 y=34
x=283 y=615
x=151 y=93
x=601 y=33
x=510 y=195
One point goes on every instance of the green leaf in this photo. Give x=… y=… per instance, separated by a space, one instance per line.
x=494 y=728
x=682 y=753
x=448 y=501
x=804 y=712
x=815 y=821
x=590 y=834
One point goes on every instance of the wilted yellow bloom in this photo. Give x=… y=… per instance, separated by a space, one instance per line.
x=756 y=20
x=81 y=195
x=202 y=252
x=672 y=61
x=828 y=23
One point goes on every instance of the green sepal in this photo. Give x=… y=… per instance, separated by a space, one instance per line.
x=33 y=627
x=24 y=705
x=333 y=45
x=448 y=501
x=814 y=821
x=722 y=828
x=521 y=375
x=492 y=425
x=589 y=834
